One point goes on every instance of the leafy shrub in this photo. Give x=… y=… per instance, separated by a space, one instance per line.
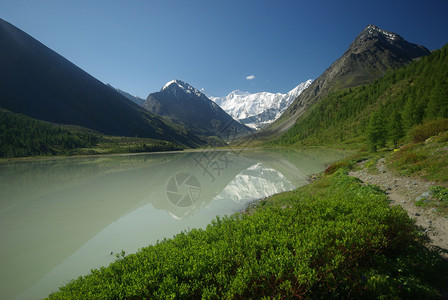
x=334 y=238
x=428 y=160
x=422 y=132
x=331 y=169
x=442 y=137
x=439 y=192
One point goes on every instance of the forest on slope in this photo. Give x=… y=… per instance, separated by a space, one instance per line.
x=22 y=136
x=403 y=98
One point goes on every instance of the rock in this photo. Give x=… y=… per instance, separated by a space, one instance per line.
x=422 y=198
x=417 y=214
x=426 y=194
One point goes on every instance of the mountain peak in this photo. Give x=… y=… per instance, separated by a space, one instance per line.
x=176 y=82
x=175 y=85
x=373 y=52
x=183 y=104
x=372 y=31
x=373 y=37
x=238 y=93
x=258 y=109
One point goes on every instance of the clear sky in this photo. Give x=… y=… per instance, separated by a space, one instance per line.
x=218 y=45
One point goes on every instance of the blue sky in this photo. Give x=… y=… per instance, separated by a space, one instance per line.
x=217 y=45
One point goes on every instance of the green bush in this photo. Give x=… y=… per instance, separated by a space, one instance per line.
x=439 y=192
x=426 y=130
x=334 y=238
x=331 y=169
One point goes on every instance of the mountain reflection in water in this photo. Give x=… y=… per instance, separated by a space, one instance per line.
x=60 y=218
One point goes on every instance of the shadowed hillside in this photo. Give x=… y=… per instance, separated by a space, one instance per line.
x=38 y=82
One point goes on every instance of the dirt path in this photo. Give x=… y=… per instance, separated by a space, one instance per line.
x=403 y=191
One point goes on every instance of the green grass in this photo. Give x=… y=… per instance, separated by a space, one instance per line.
x=428 y=160
x=118 y=144
x=334 y=238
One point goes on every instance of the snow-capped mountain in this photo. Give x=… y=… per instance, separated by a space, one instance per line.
x=256 y=182
x=258 y=109
x=183 y=104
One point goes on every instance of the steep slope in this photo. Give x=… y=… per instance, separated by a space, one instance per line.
x=401 y=99
x=371 y=54
x=38 y=82
x=259 y=109
x=135 y=99
x=183 y=104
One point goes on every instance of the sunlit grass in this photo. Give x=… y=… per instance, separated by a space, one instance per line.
x=428 y=160
x=334 y=238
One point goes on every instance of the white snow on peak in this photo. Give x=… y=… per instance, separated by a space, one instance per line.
x=265 y=107
x=168 y=84
x=257 y=181
x=389 y=35
x=183 y=85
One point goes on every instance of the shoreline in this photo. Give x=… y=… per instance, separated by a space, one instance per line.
x=55 y=157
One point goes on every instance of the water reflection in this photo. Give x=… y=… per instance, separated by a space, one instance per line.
x=60 y=218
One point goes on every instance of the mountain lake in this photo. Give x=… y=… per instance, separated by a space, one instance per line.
x=61 y=217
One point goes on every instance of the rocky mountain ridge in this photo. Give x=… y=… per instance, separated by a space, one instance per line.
x=373 y=52
x=183 y=104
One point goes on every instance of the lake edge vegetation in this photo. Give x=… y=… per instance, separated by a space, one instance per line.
x=332 y=238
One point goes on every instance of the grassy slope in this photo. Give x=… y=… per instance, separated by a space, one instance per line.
x=428 y=160
x=334 y=237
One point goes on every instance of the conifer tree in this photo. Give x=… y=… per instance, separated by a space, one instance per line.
x=376 y=132
x=396 y=130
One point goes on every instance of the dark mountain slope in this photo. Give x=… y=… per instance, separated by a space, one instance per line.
x=183 y=104
x=369 y=57
x=38 y=82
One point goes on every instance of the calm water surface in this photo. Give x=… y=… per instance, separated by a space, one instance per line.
x=61 y=218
